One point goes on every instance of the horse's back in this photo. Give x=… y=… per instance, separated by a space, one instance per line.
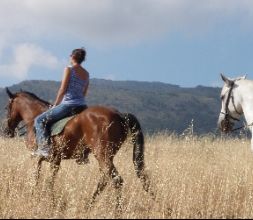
x=94 y=119
x=100 y=110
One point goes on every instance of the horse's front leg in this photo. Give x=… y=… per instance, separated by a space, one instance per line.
x=37 y=174
x=38 y=171
x=55 y=163
x=54 y=166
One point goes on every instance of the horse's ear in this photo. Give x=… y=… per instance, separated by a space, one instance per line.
x=228 y=81
x=223 y=77
x=241 y=78
x=9 y=93
x=244 y=77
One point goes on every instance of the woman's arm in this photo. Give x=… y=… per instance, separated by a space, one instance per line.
x=64 y=86
x=86 y=88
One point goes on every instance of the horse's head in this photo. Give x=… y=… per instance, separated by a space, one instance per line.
x=13 y=115
x=23 y=106
x=231 y=108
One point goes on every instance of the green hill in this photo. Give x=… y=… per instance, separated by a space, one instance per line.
x=158 y=106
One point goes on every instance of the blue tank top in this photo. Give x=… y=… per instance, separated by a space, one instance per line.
x=74 y=93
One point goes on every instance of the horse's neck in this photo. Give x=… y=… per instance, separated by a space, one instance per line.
x=28 y=113
x=31 y=110
x=245 y=91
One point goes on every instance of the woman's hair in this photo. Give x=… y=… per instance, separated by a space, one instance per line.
x=79 y=55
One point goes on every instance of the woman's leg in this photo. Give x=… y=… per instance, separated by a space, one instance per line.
x=42 y=135
x=43 y=121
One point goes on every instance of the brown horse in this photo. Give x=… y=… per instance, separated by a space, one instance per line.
x=99 y=130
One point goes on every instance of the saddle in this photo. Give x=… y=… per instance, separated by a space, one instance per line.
x=58 y=127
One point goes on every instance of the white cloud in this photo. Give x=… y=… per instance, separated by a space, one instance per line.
x=105 y=22
x=119 y=22
x=26 y=56
x=132 y=21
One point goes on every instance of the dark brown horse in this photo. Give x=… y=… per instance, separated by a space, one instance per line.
x=99 y=130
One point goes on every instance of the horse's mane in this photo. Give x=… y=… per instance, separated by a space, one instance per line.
x=33 y=96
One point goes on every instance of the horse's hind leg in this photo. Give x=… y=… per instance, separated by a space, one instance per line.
x=117 y=184
x=109 y=173
x=145 y=180
x=103 y=181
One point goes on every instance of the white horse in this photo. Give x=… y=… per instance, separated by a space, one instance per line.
x=237 y=99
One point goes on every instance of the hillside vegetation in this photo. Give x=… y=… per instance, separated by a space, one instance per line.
x=158 y=106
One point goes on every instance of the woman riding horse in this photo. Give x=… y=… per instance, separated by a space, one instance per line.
x=70 y=100
x=100 y=130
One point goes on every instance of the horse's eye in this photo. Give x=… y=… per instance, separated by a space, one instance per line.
x=222 y=97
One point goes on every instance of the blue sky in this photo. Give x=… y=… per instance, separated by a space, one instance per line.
x=183 y=42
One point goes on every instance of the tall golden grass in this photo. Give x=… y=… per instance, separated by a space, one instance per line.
x=192 y=177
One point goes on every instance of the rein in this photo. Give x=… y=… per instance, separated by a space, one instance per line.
x=20 y=129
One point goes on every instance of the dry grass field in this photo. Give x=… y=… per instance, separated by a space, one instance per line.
x=192 y=177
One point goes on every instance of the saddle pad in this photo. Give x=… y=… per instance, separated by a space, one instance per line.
x=59 y=126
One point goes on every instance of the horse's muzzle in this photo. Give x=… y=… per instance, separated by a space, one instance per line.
x=226 y=126
x=9 y=133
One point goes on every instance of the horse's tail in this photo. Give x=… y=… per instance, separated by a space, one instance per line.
x=137 y=136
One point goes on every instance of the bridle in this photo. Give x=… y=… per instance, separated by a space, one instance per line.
x=227 y=114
